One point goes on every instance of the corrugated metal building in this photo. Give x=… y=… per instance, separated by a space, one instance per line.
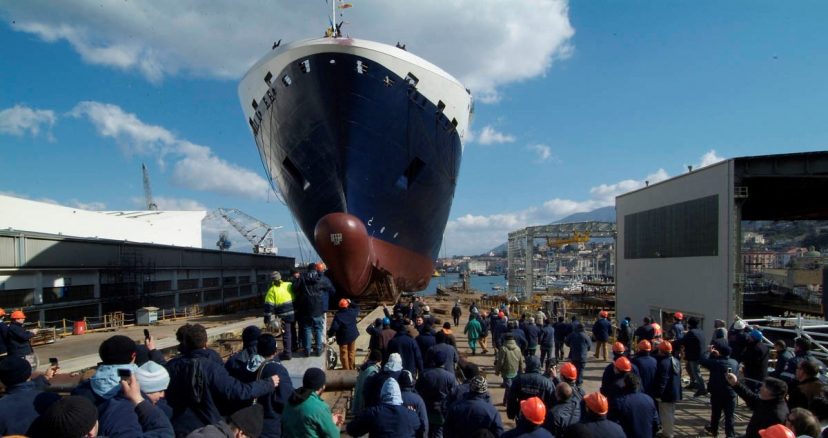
x=61 y=262
x=53 y=277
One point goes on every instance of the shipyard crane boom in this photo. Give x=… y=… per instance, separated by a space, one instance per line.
x=151 y=205
x=258 y=233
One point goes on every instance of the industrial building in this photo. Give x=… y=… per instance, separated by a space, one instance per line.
x=63 y=263
x=679 y=241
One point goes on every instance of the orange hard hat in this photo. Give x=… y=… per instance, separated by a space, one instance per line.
x=533 y=410
x=645 y=345
x=665 y=347
x=343 y=303
x=776 y=431
x=618 y=348
x=603 y=314
x=596 y=402
x=623 y=364
x=2 y=312
x=18 y=314
x=569 y=371
x=678 y=315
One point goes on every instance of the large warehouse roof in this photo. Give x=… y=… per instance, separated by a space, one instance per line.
x=179 y=228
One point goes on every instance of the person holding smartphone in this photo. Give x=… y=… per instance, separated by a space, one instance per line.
x=722 y=396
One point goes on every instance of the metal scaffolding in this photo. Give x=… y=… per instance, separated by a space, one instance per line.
x=524 y=260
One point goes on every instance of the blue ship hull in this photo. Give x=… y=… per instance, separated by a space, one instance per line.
x=338 y=136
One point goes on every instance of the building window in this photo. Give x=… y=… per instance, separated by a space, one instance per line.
x=68 y=293
x=15 y=298
x=686 y=229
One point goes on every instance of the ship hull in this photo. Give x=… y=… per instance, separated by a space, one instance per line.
x=363 y=142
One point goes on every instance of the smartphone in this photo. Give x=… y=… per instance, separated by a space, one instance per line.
x=730 y=370
x=146 y=334
x=124 y=374
x=53 y=361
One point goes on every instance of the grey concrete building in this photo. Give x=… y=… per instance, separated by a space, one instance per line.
x=679 y=241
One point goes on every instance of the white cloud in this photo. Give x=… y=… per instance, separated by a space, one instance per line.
x=544 y=152
x=472 y=234
x=200 y=169
x=20 y=119
x=196 y=167
x=489 y=135
x=177 y=204
x=91 y=205
x=709 y=158
x=484 y=44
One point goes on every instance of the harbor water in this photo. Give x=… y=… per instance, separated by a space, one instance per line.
x=484 y=284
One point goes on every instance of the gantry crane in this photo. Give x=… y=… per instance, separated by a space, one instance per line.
x=576 y=237
x=258 y=233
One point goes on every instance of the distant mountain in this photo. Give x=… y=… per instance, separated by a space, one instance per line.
x=603 y=214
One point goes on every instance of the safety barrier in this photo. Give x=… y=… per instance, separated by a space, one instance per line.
x=108 y=322
x=814 y=330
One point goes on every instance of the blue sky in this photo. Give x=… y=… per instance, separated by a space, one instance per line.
x=576 y=102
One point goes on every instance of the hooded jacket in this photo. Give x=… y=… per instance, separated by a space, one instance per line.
x=435 y=385
x=509 y=360
x=473 y=329
x=196 y=382
x=388 y=420
x=668 y=379
x=755 y=359
x=273 y=403
x=373 y=384
x=406 y=346
x=529 y=384
x=473 y=412
x=562 y=415
x=367 y=370
x=451 y=355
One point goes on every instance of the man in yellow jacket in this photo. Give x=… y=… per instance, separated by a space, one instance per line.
x=279 y=301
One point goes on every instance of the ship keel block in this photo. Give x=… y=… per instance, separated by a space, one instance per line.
x=343 y=243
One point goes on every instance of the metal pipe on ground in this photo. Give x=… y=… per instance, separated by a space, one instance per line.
x=340 y=380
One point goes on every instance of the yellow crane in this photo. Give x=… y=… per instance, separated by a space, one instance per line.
x=577 y=237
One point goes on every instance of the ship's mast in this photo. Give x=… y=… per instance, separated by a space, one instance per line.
x=333 y=18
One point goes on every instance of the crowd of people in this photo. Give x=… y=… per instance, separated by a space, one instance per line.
x=415 y=383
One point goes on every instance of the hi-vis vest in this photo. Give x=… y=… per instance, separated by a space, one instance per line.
x=280 y=298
